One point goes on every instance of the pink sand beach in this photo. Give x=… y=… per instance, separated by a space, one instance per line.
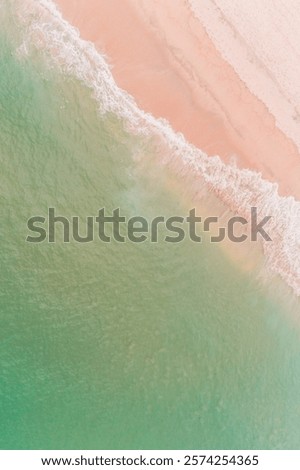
x=162 y=55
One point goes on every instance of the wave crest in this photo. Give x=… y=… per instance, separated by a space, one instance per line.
x=46 y=30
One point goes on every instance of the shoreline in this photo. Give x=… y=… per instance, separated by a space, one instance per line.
x=240 y=189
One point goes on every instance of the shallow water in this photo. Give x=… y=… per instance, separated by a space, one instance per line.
x=122 y=345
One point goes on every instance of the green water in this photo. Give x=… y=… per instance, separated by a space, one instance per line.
x=132 y=346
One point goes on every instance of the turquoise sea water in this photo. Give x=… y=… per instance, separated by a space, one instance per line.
x=132 y=346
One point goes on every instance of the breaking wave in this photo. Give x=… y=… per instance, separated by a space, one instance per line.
x=240 y=189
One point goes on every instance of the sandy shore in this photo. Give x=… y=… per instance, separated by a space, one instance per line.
x=162 y=55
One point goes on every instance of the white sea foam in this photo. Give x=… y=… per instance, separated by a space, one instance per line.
x=62 y=46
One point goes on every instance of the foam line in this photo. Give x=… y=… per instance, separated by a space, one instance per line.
x=46 y=30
